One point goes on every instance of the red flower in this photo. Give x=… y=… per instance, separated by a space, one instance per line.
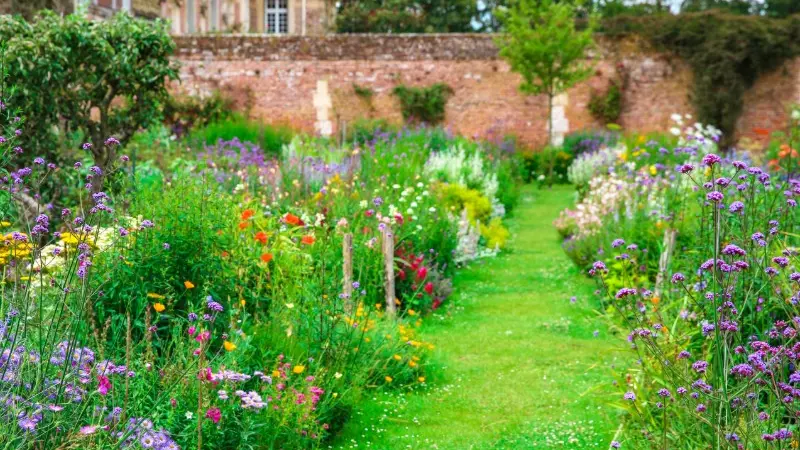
x=398 y=218
x=401 y=274
x=266 y=257
x=429 y=288
x=422 y=272
x=308 y=239
x=291 y=219
x=247 y=213
x=242 y=226
x=261 y=237
x=436 y=303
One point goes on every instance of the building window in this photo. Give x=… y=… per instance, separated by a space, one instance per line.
x=277 y=20
x=214 y=15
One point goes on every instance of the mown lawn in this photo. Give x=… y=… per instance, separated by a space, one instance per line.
x=518 y=364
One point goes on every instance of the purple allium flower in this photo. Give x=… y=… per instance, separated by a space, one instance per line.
x=191 y=317
x=624 y=292
x=123 y=232
x=39 y=161
x=736 y=207
x=715 y=196
x=663 y=392
x=781 y=261
x=686 y=168
x=615 y=444
x=617 y=243
x=96 y=170
x=86 y=146
x=739 y=165
x=124 y=158
x=629 y=396
x=112 y=141
x=166 y=246
x=733 y=250
x=742 y=370
x=701 y=408
x=678 y=278
x=711 y=159
x=684 y=354
x=700 y=366
x=147 y=224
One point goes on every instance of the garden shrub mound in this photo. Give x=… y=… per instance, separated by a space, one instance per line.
x=696 y=256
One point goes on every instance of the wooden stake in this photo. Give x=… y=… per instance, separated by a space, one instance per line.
x=347 y=253
x=388 y=259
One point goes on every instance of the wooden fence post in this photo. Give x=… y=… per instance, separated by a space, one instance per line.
x=347 y=253
x=388 y=259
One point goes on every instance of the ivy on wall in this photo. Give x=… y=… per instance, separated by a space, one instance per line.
x=423 y=104
x=726 y=52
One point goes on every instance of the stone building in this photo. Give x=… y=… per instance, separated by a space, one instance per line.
x=294 y=17
x=95 y=8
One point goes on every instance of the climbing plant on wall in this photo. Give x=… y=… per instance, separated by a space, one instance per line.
x=726 y=52
x=423 y=104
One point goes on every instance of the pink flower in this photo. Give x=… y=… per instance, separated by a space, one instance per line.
x=103 y=384
x=88 y=429
x=214 y=414
x=202 y=337
x=191 y=330
x=422 y=272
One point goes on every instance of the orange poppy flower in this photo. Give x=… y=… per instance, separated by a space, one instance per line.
x=242 y=225
x=188 y=284
x=247 y=213
x=291 y=219
x=225 y=254
x=261 y=237
x=266 y=257
x=308 y=239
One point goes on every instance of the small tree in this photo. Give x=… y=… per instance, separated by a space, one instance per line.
x=542 y=44
x=101 y=78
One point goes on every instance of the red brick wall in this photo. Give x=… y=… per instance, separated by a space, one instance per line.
x=276 y=77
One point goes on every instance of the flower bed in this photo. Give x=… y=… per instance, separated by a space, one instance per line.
x=206 y=305
x=696 y=256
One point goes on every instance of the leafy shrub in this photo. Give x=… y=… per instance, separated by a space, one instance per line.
x=183 y=113
x=105 y=78
x=458 y=197
x=270 y=138
x=423 y=104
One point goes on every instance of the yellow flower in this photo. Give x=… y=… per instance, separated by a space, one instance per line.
x=389 y=379
x=653 y=170
x=299 y=369
x=188 y=284
x=229 y=346
x=159 y=307
x=276 y=374
x=242 y=302
x=421 y=379
x=397 y=357
x=155 y=296
x=5 y=224
x=412 y=364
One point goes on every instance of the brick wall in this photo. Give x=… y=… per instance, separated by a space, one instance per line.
x=276 y=77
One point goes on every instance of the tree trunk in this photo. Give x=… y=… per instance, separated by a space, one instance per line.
x=550 y=118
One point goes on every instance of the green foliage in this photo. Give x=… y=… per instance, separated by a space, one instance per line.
x=542 y=44
x=182 y=113
x=727 y=53
x=607 y=106
x=458 y=197
x=548 y=165
x=105 y=78
x=363 y=92
x=271 y=138
x=406 y=16
x=423 y=104
x=364 y=130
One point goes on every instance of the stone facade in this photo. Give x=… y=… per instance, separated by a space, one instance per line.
x=294 y=17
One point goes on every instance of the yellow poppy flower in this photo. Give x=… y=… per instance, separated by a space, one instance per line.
x=389 y=379
x=188 y=284
x=159 y=307
x=229 y=346
x=155 y=296
x=421 y=379
x=299 y=369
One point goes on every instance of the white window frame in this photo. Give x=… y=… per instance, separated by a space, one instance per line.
x=214 y=15
x=191 y=17
x=276 y=12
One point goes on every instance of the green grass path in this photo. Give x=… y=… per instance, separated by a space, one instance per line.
x=518 y=364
